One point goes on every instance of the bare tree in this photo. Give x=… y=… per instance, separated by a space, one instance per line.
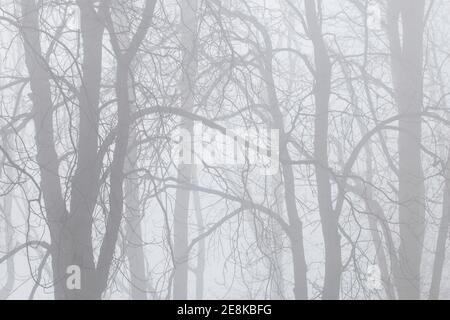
x=94 y=96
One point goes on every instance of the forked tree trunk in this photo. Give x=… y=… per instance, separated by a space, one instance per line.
x=85 y=181
x=133 y=218
x=71 y=240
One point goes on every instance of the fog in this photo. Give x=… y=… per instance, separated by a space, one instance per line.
x=220 y=149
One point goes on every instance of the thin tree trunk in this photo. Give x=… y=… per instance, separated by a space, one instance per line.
x=296 y=226
x=133 y=229
x=277 y=282
x=135 y=250
x=134 y=242
x=124 y=59
x=200 y=268
x=116 y=177
x=439 y=257
x=185 y=170
x=366 y=193
x=329 y=218
x=6 y=208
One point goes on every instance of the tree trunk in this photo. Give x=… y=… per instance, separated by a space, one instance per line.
x=8 y=231
x=329 y=218
x=407 y=66
x=439 y=258
x=133 y=230
x=185 y=170
x=85 y=181
x=134 y=243
x=200 y=268
x=296 y=226
x=47 y=158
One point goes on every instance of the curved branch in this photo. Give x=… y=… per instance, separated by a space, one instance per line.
x=23 y=246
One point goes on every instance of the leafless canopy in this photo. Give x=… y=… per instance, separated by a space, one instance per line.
x=95 y=204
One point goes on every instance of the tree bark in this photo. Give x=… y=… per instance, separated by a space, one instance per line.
x=407 y=74
x=47 y=158
x=85 y=180
x=6 y=208
x=134 y=242
x=329 y=218
x=124 y=59
x=185 y=170
x=441 y=249
x=439 y=256
x=200 y=268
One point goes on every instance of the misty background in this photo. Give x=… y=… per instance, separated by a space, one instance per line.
x=92 y=92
